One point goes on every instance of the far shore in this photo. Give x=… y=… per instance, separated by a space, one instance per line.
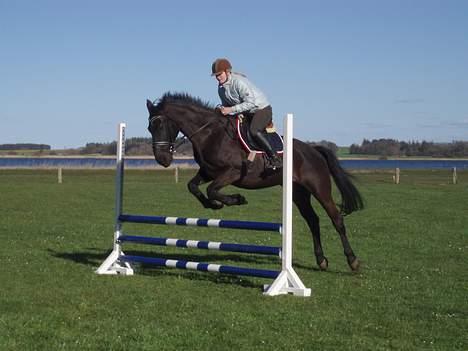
x=370 y=157
x=91 y=156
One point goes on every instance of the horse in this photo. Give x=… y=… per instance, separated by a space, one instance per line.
x=222 y=161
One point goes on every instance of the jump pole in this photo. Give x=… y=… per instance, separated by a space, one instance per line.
x=286 y=281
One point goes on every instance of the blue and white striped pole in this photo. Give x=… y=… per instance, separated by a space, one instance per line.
x=202 y=222
x=198 y=244
x=199 y=266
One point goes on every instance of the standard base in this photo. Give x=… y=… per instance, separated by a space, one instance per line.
x=112 y=266
x=288 y=282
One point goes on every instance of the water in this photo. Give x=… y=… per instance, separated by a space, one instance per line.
x=404 y=164
x=90 y=162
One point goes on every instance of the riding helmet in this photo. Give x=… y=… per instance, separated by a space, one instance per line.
x=220 y=65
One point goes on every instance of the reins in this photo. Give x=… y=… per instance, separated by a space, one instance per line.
x=200 y=129
x=174 y=145
x=229 y=128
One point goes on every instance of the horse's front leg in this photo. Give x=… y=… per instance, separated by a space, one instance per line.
x=226 y=178
x=193 y=187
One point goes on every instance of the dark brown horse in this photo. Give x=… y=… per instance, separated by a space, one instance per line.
x=222 y=162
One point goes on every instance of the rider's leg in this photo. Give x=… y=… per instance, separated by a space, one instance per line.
x=275 y=161
x=260 y=120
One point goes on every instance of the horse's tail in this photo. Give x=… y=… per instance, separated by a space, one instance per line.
x=350 y=196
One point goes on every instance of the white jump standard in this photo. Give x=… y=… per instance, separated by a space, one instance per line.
x=285 y=281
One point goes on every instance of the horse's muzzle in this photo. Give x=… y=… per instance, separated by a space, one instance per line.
x=163 y=157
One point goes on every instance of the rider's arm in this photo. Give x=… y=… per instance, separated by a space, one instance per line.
x=246 y=96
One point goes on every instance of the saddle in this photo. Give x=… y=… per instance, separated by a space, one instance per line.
x=248 y=142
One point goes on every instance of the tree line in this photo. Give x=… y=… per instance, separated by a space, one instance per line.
x=26 y=146
x=143 y=146
x=380 y=147
x=138 y=146
x=392 y=147
x=133 y=147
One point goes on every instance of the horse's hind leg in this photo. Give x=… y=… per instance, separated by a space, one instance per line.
x=301 y=198
x=337 y=219
x=193 y=187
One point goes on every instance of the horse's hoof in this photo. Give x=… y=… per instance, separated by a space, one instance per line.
x=354 y=265
x=242 y=200
x=324 y=264
x=216 y=205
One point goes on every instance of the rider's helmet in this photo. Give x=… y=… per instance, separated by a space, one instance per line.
x=220 y=65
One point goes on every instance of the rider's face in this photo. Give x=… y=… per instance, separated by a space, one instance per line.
x=222 y=77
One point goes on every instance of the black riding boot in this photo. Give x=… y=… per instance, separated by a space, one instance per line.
x=274 y=161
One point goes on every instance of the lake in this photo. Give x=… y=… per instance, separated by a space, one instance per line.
x=97 y=162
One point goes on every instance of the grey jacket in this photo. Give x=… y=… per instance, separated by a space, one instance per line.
x=240 y=94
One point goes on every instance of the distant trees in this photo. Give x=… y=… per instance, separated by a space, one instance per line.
x=27 y=146
x=380 y=147
x=143 y=146
x=391 y=147
x=133 y=146
x=99 y=148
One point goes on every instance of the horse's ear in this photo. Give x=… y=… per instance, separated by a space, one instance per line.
x=149 y=105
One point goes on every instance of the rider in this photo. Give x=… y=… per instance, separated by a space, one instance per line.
x=239 y=95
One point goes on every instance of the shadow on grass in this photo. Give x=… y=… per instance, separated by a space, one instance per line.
x=330 y=271
x=94 y=257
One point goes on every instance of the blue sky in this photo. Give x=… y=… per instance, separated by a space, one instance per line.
x=348 y=70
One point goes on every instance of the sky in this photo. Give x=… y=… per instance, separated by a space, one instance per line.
x=70 y=71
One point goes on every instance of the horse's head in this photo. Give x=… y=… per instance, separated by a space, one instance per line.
x=164 y=133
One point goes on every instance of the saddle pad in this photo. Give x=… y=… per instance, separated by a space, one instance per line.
x=249 y=143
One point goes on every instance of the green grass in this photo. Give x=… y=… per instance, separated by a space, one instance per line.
x=343 y=152
x=411 y=293
x=23 y=152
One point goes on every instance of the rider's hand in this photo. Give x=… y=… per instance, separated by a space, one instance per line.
x=226 y=110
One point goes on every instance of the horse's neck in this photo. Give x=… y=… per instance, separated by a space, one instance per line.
x=194 y=125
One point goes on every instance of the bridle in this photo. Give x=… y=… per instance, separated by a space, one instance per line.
x=159 y=144
x=172 y=145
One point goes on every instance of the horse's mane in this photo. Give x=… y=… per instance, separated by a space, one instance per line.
x=184 y=99
x=200 y=107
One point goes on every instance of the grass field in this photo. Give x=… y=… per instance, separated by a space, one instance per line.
x=411 y=293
